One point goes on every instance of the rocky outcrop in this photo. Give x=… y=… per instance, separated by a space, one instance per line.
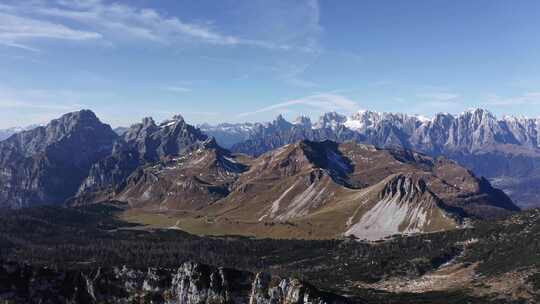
x=191 y=283
x=46 y=165
x=404 y=205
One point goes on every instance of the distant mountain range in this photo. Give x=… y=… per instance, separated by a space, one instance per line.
x=306 y=186
x=5 y=133
x=506 y=151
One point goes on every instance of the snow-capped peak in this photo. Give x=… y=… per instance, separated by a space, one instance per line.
x=330 y=120
x=423 y=118
x=363 y=119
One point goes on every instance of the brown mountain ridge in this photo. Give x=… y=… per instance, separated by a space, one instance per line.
x=311 y=190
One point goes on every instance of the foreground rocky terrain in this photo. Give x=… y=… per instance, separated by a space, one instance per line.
x=54 y=255
x=191 y=283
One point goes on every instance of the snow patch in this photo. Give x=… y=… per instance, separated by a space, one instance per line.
x=354 y=124
x=168 y=124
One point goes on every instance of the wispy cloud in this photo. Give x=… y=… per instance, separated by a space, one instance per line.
x=15 y=31
x=113 y=22
x=325 y=102
x=124 y=20
x=528 y=98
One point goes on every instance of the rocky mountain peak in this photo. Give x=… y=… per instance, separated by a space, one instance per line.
x=176 y=120
x=281 y=123
x=363 y=119
x=82 y=116
x=84 y=120
x=404 y=185
x=148 y=122
x=144 y=143
x=75 y=128
x=52 y=160
x=140 y=130
x=303 y=121
x=478 y=118
x=330 y=120
x=178 y=117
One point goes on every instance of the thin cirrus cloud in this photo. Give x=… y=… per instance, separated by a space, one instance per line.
x=15 y=31
x=112 y=22
x=324 y=102
x=121 y=19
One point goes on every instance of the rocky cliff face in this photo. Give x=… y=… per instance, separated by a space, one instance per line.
x=191 y=283
x=143 y=144
x=46 y=165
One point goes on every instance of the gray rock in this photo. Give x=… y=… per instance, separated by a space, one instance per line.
x=47 y=164
x=191 y=283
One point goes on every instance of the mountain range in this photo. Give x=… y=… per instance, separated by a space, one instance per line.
x=506 y=151
x=308 y=188
x=5 y=133
x=93 y=214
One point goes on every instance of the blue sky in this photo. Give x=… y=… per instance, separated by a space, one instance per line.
x=249 y=60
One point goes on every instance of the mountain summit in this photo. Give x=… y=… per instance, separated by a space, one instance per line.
x=45 y=165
